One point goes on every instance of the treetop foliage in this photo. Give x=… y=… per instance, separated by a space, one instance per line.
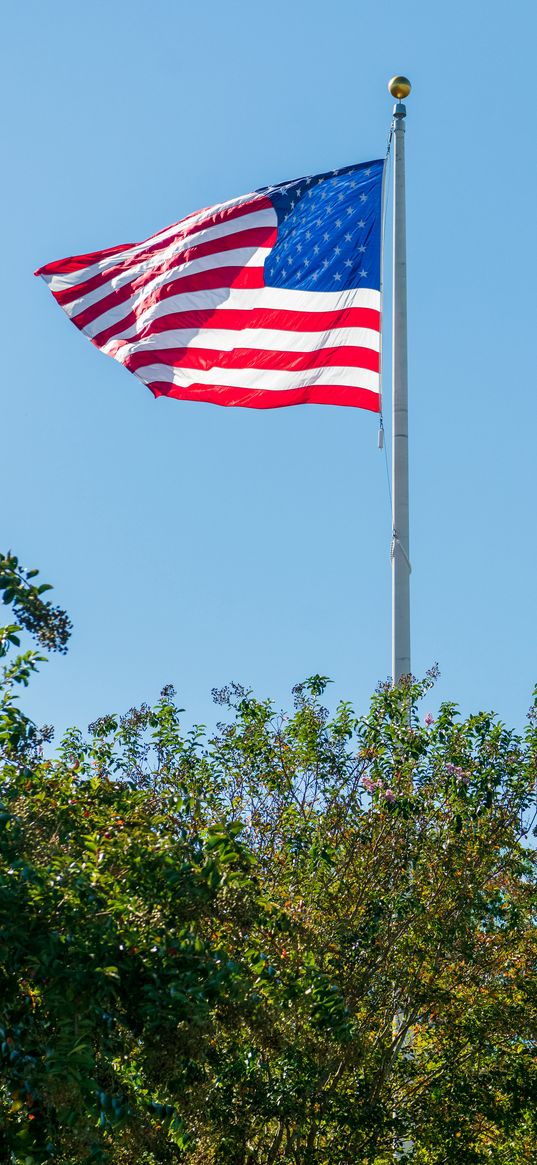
x=307 y=938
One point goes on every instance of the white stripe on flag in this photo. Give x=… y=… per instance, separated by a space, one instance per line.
x=236 y=299
x=261 y=379
x=255 y=339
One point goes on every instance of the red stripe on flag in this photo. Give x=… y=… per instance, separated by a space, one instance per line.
x=337 y=394
x=207 y=358
x=277 y=319
x=78 y=262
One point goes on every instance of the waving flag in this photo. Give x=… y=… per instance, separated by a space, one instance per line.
x=267 y=300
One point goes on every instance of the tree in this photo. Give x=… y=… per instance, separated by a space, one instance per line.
x=107 y=892
x=304 y=939
x=394 y=853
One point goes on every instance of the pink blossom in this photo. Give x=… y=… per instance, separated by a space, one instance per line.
x=368 y=784
x=458 y=773
x=429 y=719
x=389 y=795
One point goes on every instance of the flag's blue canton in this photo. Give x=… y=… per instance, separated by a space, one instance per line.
x=329 y=230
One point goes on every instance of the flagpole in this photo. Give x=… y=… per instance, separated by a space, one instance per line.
x=400 y=551
x=399 y=88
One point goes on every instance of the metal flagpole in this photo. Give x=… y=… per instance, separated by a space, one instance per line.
x=400 y=552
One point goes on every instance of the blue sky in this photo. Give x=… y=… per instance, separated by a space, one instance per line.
x=195 y=544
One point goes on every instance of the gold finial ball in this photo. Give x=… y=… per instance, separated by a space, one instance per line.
x=399 y=87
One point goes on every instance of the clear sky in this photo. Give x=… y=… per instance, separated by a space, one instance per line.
x=194 y=544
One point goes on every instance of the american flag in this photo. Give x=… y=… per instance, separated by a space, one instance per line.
x=270 y=299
